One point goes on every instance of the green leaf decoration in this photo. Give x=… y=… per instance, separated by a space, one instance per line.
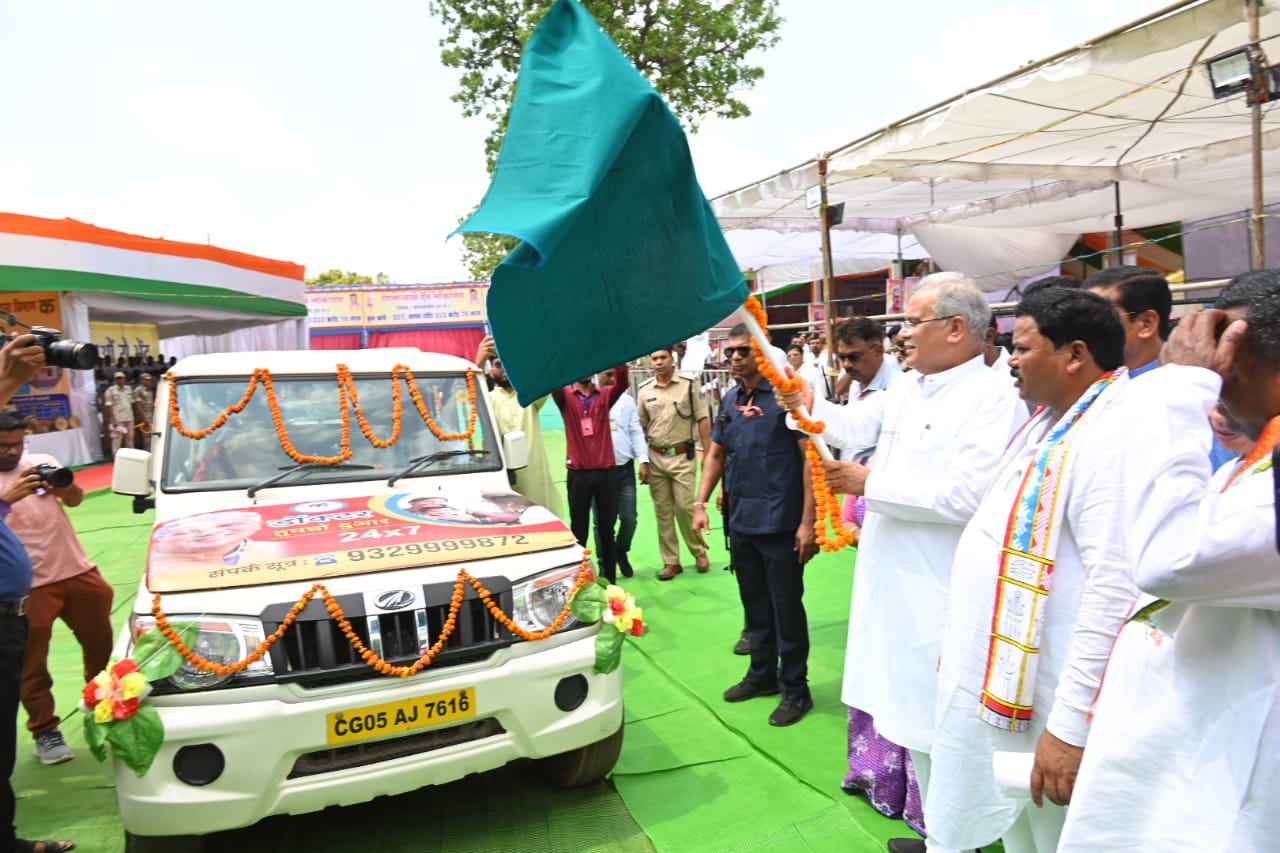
x=156 y=657
x=588 y=603
x=608 y=649
x=136 y=741
x=95 y=734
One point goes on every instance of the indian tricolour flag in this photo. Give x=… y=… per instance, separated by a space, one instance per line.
x=39 y=254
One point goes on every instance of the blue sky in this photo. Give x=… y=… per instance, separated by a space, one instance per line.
x=322 y=132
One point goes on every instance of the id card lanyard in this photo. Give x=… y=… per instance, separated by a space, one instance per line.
x=588 y=428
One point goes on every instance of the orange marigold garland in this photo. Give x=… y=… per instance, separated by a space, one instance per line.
x=827 y=527
x=366 y=654
x=273 y=403
x=830 y=532
x=347 y=381
x=348 y=398
x=176 y=419
x=421 y=404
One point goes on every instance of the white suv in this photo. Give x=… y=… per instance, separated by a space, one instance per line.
x=244 y=530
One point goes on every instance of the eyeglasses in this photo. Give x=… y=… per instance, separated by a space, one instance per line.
x=910 y=324
x=730 y=352
x=851 y=356
x=17 y=445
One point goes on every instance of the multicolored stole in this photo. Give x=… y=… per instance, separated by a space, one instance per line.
x=1026 y=574
x=1256 y=461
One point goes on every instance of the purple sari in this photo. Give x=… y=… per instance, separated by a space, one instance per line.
x=882 y=771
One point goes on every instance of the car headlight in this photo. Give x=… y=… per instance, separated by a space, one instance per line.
x=221 y=640
x=539 y=599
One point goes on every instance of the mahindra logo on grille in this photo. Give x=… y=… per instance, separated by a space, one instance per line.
x=396 y=599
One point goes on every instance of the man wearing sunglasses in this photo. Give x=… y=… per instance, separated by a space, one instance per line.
x=772 y=537
x=860 y=351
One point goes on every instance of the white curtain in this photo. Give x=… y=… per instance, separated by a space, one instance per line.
x=84 y=392
x=283 y=335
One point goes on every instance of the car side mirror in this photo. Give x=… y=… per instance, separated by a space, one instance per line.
x=131 y=475
x=515 y=449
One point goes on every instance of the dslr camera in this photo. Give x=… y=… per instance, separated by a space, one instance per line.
x=53 y=475
x=73 y=355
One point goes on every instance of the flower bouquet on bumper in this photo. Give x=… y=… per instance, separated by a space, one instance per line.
x=114 y=708
x=617 y=608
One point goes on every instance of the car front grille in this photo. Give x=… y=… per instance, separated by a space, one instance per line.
x=315 y=652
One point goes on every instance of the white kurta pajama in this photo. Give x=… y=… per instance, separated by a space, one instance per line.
x=1091 y=593
x=937 y=440
x=1184 y=750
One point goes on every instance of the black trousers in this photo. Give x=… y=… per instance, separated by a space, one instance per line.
x=600 y=486
x=13 y=641
x=771 y=584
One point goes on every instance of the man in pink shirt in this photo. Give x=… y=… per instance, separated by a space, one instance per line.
x=65 y=585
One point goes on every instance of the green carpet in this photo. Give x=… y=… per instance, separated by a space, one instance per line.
x=696 y=773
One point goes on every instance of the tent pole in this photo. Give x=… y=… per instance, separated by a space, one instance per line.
x=1118 y=239
x=827 y=286
x=1256 y=235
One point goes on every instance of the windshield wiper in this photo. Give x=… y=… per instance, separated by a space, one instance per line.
x=303 y=467
x=432 y=458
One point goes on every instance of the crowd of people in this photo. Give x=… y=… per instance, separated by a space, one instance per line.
x=1088 y=495
x=1023 y=538
x=126 y=399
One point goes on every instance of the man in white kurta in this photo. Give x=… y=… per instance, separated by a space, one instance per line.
x=533 y=481
x=1068 y=354
x=1184 y=751
x=938 y=433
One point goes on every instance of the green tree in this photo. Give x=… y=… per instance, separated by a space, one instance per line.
x=695 y=52
x=331 y=277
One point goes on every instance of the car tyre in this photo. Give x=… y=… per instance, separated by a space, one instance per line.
x=583 y=766
x=162 y=843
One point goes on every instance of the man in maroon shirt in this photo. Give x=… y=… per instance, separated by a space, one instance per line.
x=589 y=452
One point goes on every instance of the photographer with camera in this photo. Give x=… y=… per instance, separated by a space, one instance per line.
x=65 y=585
x=20 y=358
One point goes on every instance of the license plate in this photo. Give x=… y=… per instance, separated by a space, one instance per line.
x=403 y=716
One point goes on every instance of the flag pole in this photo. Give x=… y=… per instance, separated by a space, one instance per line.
x=780 y=365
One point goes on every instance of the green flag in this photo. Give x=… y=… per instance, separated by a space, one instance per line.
x=620 y=252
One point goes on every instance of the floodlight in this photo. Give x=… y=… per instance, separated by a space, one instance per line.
x=1230 y=72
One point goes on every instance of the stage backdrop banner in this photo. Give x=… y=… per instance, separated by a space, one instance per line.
x=337 y=308
x=45 y=400
x=124 y=339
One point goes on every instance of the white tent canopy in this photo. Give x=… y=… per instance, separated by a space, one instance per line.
x=1039 y=155
x=783 y=258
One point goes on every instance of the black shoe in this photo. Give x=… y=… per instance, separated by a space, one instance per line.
x=790 y=711
x=907 y=845
x=743 y=646
x=624 y=565
x=744 y=690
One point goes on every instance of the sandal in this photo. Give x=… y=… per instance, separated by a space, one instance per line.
x=22 y=845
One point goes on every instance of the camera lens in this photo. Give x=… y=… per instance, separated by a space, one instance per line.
x=75 y=355
x=53 y=475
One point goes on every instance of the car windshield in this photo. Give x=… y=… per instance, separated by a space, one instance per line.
x=248 y=449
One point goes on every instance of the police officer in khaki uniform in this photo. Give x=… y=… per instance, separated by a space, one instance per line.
x=675 y=419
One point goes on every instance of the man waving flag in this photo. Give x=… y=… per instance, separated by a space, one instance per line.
x=619 y=250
